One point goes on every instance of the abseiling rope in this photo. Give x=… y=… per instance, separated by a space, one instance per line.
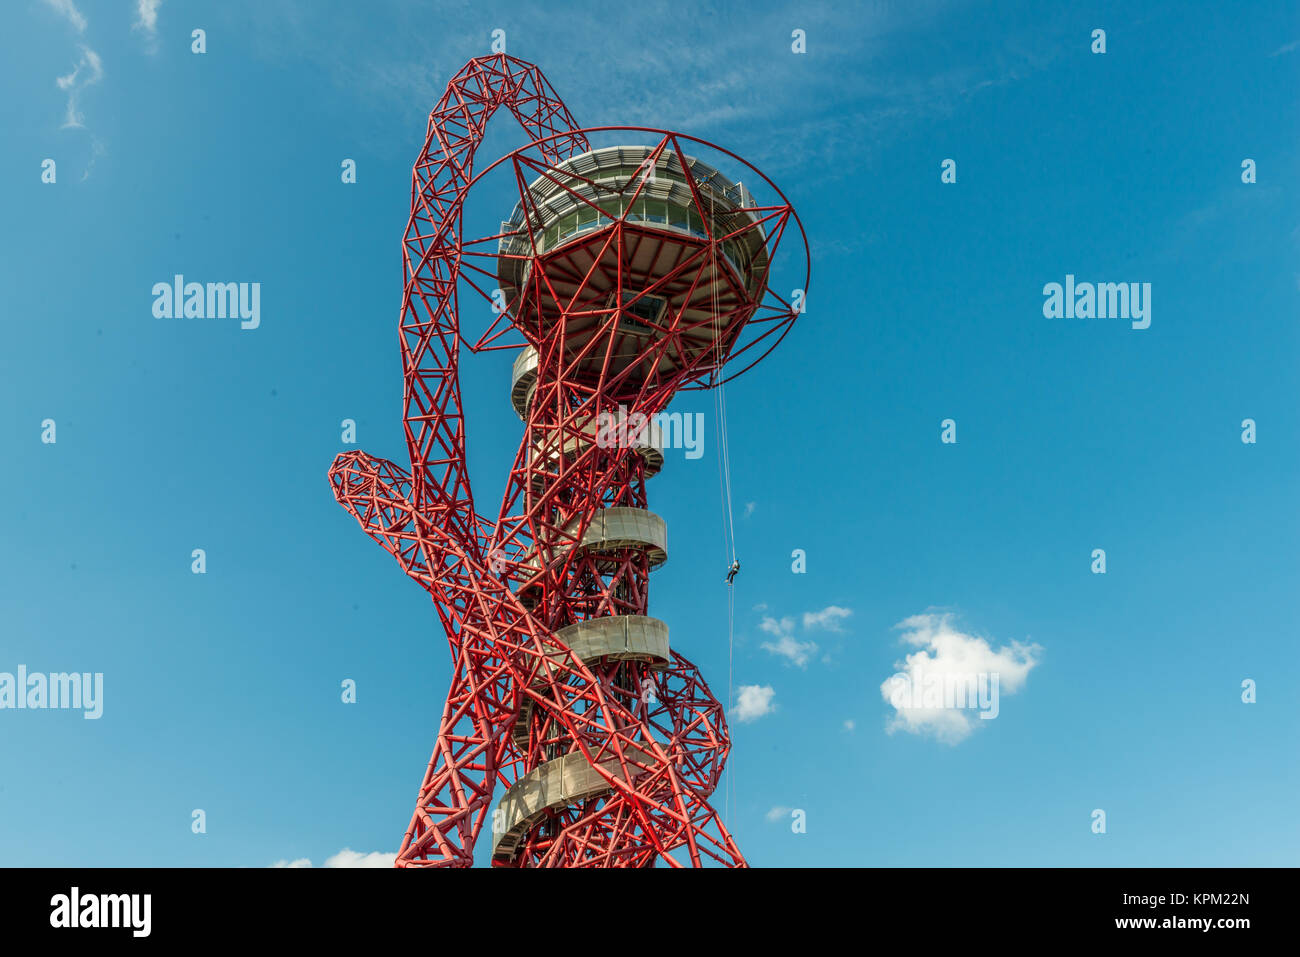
x=724 y=491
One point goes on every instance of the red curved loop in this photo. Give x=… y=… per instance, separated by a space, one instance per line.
x=431 y=250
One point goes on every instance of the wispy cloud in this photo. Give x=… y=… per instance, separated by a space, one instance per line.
x=776 y=813
x=828 y=618
x=96 y=151
x=785 y=644
x=841 y=97
x=68 y=10
x=776 y=626
x=146 y=20
x=796 y=652
x=792 y=649
x=88 y=71
x=1286 y=48
x=754 y=701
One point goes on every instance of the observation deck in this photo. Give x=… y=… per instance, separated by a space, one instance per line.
x=610 y=236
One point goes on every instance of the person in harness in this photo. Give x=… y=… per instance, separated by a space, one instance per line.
x=731 y=572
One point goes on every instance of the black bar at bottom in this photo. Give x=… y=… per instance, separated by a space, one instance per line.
x=487 y=907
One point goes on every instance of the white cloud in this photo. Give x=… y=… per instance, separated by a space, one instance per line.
x=146 y=15
x=146 y=21
x=786 y=645
x=789 y=647
x=350 y=858
x=345 y=858
x=849 y=725
x=96 y=151
x=749 y=508
x=946 y=653
x=795 y=652
x=828 y=618
x=775 y=626
x=88 y=71
x=778 y=812
x=68 y=10
x=753 y=701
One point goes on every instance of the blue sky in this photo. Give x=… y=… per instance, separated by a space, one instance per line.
x=221 y=691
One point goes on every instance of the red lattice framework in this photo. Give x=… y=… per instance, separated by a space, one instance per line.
x=520 y=697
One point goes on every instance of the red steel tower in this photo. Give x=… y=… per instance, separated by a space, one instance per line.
x=630 y=273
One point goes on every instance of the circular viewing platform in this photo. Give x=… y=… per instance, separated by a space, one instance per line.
x=617 y=637
x=592 y=190
x=647 y=269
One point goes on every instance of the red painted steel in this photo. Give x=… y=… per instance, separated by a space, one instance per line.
x=502 y=589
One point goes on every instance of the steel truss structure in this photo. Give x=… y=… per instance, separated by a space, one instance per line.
x=606 y=742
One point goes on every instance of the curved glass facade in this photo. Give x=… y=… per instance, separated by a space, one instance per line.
x=591 y=191
x=657 y=212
